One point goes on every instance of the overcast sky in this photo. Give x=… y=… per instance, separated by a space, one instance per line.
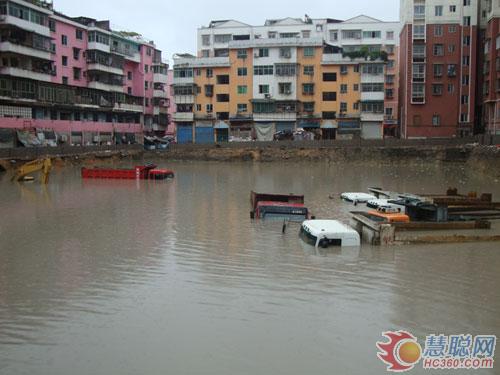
x=173 y=24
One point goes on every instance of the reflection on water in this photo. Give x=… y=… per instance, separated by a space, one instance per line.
x=126 y=277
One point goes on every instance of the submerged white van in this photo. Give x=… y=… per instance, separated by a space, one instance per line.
x=326 y=233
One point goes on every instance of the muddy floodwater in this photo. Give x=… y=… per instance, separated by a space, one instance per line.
x=126 y=277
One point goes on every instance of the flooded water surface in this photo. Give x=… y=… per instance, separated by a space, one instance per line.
x=126 y=277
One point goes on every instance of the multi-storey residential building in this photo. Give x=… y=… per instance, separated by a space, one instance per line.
x=438 y=67
x=324 y=76
x=488 y=88
x=77 y=77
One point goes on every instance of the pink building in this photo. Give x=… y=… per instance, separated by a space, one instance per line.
x=173 y=108
x=78 y=77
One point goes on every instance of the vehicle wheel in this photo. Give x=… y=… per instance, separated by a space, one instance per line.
x=323 y=243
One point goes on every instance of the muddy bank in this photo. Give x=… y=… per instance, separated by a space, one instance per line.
x=335 y=155
x=485 y=160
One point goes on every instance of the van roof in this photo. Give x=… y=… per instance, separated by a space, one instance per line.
x=328 y=227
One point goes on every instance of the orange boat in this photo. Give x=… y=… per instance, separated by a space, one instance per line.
x=389 y=215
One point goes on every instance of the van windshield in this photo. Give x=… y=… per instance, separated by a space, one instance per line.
x=308 y=237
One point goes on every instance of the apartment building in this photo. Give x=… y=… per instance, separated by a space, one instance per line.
x=324 y=76
x=77 y=77
x=488 y=88
x=438 y=59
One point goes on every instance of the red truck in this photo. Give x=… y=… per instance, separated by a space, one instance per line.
x=144 y=172
x=278 y=206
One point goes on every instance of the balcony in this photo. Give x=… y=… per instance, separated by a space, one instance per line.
x=372 y=117
x=27 y=73
x=99 y=47
x=372 y=96
x=160 y=94
x=183 y=99
x=105 y=86
x=25 y=50
x=105 y=68
x=127 y=53
x=160 y=78
x=183 y=80
x=275 y=116
x=183 y=117
x=125 y=107
x=25 y=25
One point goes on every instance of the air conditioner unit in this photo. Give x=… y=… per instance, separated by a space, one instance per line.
x=256 y=55
x=288 y=92
x=267 y=96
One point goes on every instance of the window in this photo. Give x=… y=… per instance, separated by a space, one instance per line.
x=334 y=35
x=205 y=40
x=285 y=52
x=466 y=60
x=309 y=70
x=329 y=115
x=263 y=89
x=222 y=98
x=344 y=69
x=452 y=29
x=356 y=68
x=389 y=93
x=65 y=80
x=198 y=107
x=373 y=69
x=52 y=25
x=286 y=70
x=389 y=112
x=438 y=50
x=129 y=76
x=390 y=64
x=465 y=80
x=343 y=107
x=65 y=60
x=466 y=40
x=355 y=106
x=451 y=88
x=372 y=87
x=308 y=106
x=437 y=89
x=272 y=34
x=263 y=70
x=223 y=80
x=64 y=40
x=438 y=10
x=467 y=21
x=146 y=85
x=372 y=34
x=308 y=88
x=306 y=34
x=343 y=89
x=466 y=3
x=464 y=117
x=436 y=120
x=309 y=52
x=242 y=72
x=329 y=77
x=242 y=54
x=390 y=35
x=223 y=38
x=197 y=71
x=242 y=107
x=242 y=90
x=77 y=74
x=209 y=91
x=419 y=31
x=330 y=96
x=76 y=53
x=438 y=70
x=129 y=90
x=263 y=52
x=351 y=34
x=355 y=87
x=146 y=69
x=285 y=88
x=372 y=107
x=451 y=48
x=210 y=73
x=453 y=8
x=438 y=30
x=79 y=34
x=452 y=70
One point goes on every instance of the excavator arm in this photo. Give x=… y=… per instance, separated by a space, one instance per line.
x=41 y=165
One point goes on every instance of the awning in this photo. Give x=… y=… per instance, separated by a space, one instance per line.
x=309 y=124
x=221 y=125
x=330 y=125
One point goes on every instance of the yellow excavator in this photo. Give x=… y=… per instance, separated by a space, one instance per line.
x=44 y=166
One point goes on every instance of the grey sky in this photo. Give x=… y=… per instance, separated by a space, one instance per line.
x=172 y=24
